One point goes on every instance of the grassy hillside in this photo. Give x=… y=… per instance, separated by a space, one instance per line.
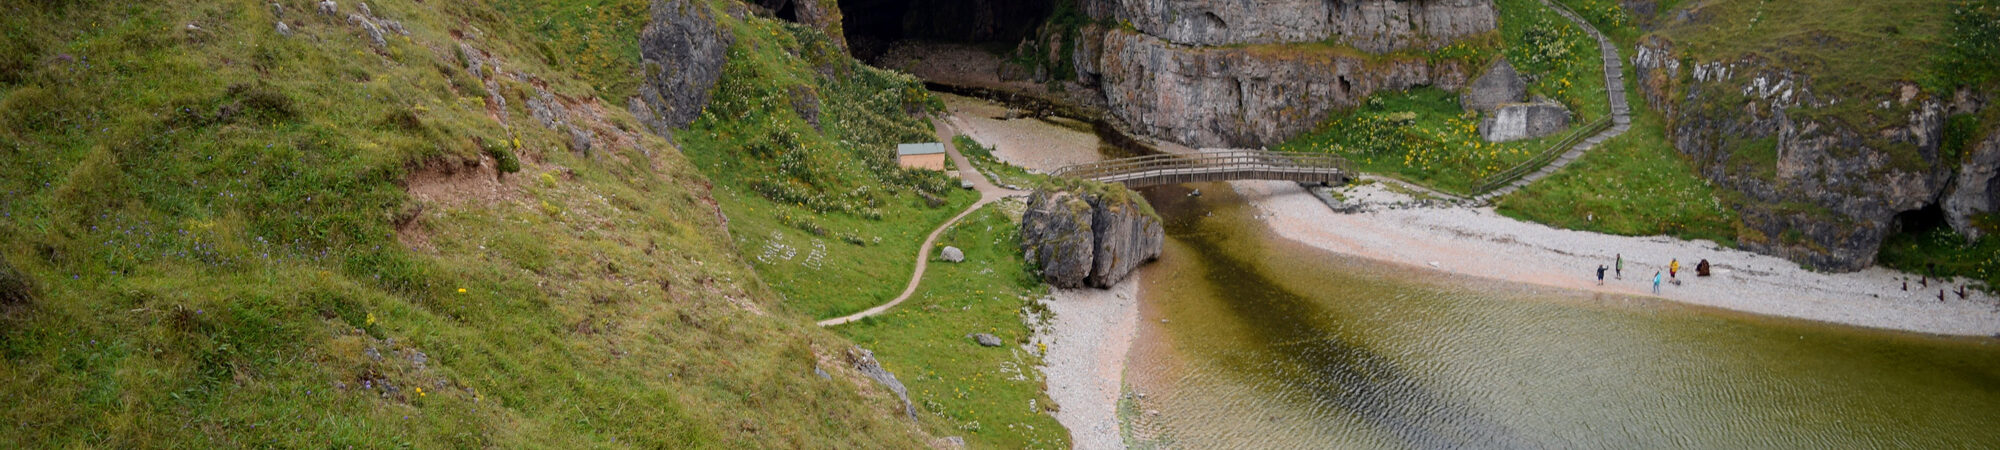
x=216 y=235
x=799 y=140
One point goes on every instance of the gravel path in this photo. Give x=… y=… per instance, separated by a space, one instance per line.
x=1482 y=243
x=988 y=193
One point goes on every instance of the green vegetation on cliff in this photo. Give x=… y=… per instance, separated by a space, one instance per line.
x=1424 y=136
x=223 y=236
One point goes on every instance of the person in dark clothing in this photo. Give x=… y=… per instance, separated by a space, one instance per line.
x=1701 y=268
x=1600 y=274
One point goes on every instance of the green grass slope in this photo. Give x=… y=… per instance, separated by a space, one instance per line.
x=215 y=235
x=822 y=214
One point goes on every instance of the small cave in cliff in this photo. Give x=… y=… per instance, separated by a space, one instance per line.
x=1921 y=220
x=874 y=26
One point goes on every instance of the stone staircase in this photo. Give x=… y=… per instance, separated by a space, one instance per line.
x=1621 y=113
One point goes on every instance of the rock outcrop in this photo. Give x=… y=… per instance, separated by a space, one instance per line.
x=864 y=362
x=1242 y=97
x=1500 y=85
x=682 y=51
x=1370 y=25
x=1815 y=188
x=1088 y=240
x=1975 y=190
x=1517 y=121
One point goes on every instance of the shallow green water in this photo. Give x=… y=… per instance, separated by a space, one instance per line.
x=1267 y=344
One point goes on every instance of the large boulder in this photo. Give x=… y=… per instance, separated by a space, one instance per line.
x=1499 y=86
x=682 y=51
x=1089 y=240
x=1513 y=122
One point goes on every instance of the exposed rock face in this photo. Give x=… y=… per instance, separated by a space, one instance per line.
x=1056 y=235
x=1975 y=190
x=864 y=362
x=952 y=254
x=1235 y=97
x=1500 y=85
x=682 y=51
x=1083 y=240
x=1371 y=25
x=1816 y=190
x=1517 y=121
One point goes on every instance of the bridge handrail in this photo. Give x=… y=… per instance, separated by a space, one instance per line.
x=1220 y=160
x=1497 y=180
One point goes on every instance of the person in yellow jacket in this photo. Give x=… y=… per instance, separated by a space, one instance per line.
x=1674 y=268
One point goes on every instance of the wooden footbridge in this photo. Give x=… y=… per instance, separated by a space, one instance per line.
x=1213 y=165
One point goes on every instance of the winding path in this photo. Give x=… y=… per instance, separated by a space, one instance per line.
x=1621 y=113
x=988 y=193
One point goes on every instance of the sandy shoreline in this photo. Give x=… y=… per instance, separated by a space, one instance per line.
x=1092 y=332
x=1482 y=243
x=1088 y=341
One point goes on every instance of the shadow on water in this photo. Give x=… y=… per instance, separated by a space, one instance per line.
x=1291 y=337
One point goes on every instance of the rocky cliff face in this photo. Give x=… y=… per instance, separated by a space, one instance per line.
x=1243 y=97
x=682 y=51
x=1371 y=25
x=1975 y=190
x=1088 y=240
x=1816 y=188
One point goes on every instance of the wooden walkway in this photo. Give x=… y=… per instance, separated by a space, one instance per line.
x=1213 y=165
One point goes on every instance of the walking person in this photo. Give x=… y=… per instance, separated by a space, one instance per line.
x=1656 y=282
x=1674 y=269
x=1620 y=267
x=1600 y=274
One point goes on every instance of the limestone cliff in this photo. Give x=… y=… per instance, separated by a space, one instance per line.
x=1370 y=25
x=1244 y=97
x=1817 y=187
x=1092 y=240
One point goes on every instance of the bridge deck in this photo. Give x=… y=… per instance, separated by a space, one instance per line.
x=1219 y=165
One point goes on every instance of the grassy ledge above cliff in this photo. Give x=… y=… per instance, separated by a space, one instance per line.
x=236 y=234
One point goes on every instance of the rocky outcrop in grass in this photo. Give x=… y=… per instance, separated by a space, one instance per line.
x=682 y=51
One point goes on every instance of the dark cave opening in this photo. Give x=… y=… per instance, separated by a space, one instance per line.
x=873 y=26
x=1921 y=220
x=789 y=12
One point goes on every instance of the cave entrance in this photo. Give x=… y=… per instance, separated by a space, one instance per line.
x=789 y=12
x=1923 y=220
x=874 y=26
